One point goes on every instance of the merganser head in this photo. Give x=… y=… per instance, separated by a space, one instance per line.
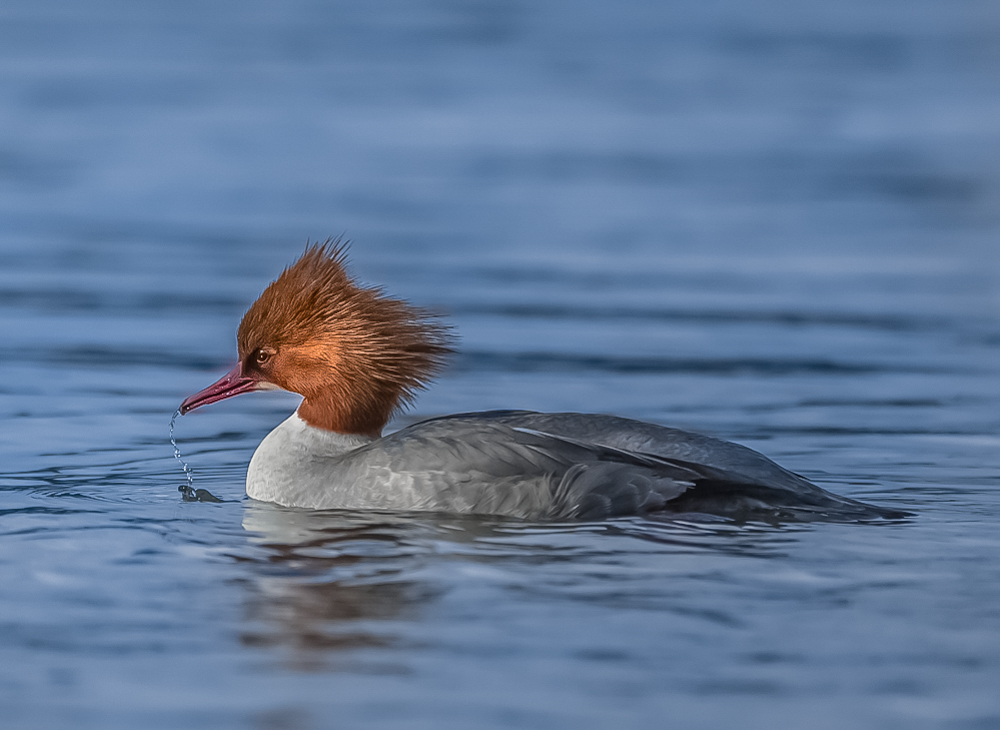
x=354 y=354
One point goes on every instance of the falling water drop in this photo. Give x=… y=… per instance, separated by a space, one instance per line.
x=177 y=452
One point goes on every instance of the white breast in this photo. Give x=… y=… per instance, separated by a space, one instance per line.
x=283 y=468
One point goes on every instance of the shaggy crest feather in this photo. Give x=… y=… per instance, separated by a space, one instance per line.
x=354 y=353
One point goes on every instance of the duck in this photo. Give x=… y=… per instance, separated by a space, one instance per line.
x=358 y=357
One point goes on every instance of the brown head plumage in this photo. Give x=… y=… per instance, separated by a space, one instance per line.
x=354 y=353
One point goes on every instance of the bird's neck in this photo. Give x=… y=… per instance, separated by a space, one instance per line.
x=343 y=414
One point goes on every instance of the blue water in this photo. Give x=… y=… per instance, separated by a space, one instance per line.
x=774 y=222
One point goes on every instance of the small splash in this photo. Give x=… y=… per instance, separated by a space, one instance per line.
x=177 y=455
x=197 y=495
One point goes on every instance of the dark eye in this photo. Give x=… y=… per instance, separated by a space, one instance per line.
x=263 y=356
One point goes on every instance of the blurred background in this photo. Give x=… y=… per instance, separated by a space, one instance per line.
x=772 y=221
x=604 y=128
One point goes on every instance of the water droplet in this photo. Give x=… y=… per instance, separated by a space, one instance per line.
x=177 y=451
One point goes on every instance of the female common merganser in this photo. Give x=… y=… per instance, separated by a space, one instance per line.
x=357 y=356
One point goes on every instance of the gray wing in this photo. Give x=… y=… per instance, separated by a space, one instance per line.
x=485 y=466
x=720 y=477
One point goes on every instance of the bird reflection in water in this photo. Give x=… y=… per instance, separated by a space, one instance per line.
x=324 y=584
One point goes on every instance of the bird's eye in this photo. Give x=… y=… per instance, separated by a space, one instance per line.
x=263 y=356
